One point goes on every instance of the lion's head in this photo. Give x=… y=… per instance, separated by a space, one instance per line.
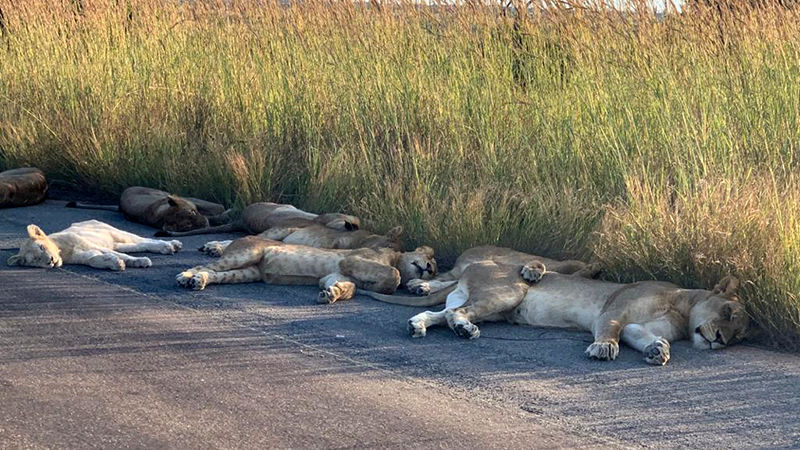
x=341 y=222
x=417 y=264
x=719 y=320
x=182 y=215
x=38 y=251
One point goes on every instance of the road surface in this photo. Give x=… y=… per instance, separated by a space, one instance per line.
x=96 y=359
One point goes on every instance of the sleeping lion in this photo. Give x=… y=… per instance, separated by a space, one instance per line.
x=91 y=243
x=646 y=316
x=338 y=272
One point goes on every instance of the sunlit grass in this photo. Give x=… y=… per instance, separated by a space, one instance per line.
x=662 y=149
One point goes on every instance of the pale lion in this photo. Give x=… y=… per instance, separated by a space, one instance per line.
x=646 y=315
x=91 y=243
x=163 y=210
x=338 y=272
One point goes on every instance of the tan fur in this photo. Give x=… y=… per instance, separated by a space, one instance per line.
x=337 y=271
x=90 y=243
x=167 y=212
x=280 y=219
x=320 y=236
x=437 y=289
x=646 y=315
x=22 y=187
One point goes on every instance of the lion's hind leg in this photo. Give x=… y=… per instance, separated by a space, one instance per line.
x=418 y=325
x=150 y=246
x=486 y=292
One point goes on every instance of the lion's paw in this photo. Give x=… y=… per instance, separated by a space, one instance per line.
x=329 y=295
x=190 y=280
x=603 y=350
x=171 y=247
x=213 y=249
x=116 y=264
x=142 y=262
x=183 y=278
x=467 y=330
x=416 y=328
x=419 y=287
x=532 y=273
x=657 y=353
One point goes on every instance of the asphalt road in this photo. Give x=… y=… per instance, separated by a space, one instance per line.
x=95 y=359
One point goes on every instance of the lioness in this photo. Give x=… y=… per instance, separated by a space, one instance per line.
x=163 y=210
x=22 y=187
x=91 y=243
x=645 y=315
x=437 y=289
x=338 y=272
x=281 y=219
x=279 y=222
x=320 y=236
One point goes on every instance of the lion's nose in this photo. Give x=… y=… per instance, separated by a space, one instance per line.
x=719 y=338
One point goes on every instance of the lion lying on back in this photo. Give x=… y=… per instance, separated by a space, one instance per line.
x=91 y=243
x=646 y=315
x=279 y=222
x=437 y=289
x=338 y=272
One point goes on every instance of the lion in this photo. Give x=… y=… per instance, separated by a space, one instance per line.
x=320 y=236
x=22 y=187
x=91 y=243
x=281 y=218
x=338 y=272
x=647 y=315
x=163 y=210
x=280 y=222
x=434 y=291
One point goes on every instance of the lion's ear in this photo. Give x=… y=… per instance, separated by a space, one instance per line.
x=35 y=232
x=425 y=250
x=727 y=286
x=350 y=225
x=172 y=200
x=395 y=233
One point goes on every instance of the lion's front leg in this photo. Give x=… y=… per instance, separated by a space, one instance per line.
x=655 y=348
x=371 y=275
x=605 y=347
x=336 y=287
x=199 y=279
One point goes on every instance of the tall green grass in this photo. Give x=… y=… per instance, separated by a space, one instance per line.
x=661 y=149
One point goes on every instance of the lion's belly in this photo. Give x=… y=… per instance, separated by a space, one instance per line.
x=555 y=302
x=300 y=261
x=306 y=236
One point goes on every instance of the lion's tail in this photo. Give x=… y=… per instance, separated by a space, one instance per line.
x=227 y=228
x=437 y=298
x=89 y=206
